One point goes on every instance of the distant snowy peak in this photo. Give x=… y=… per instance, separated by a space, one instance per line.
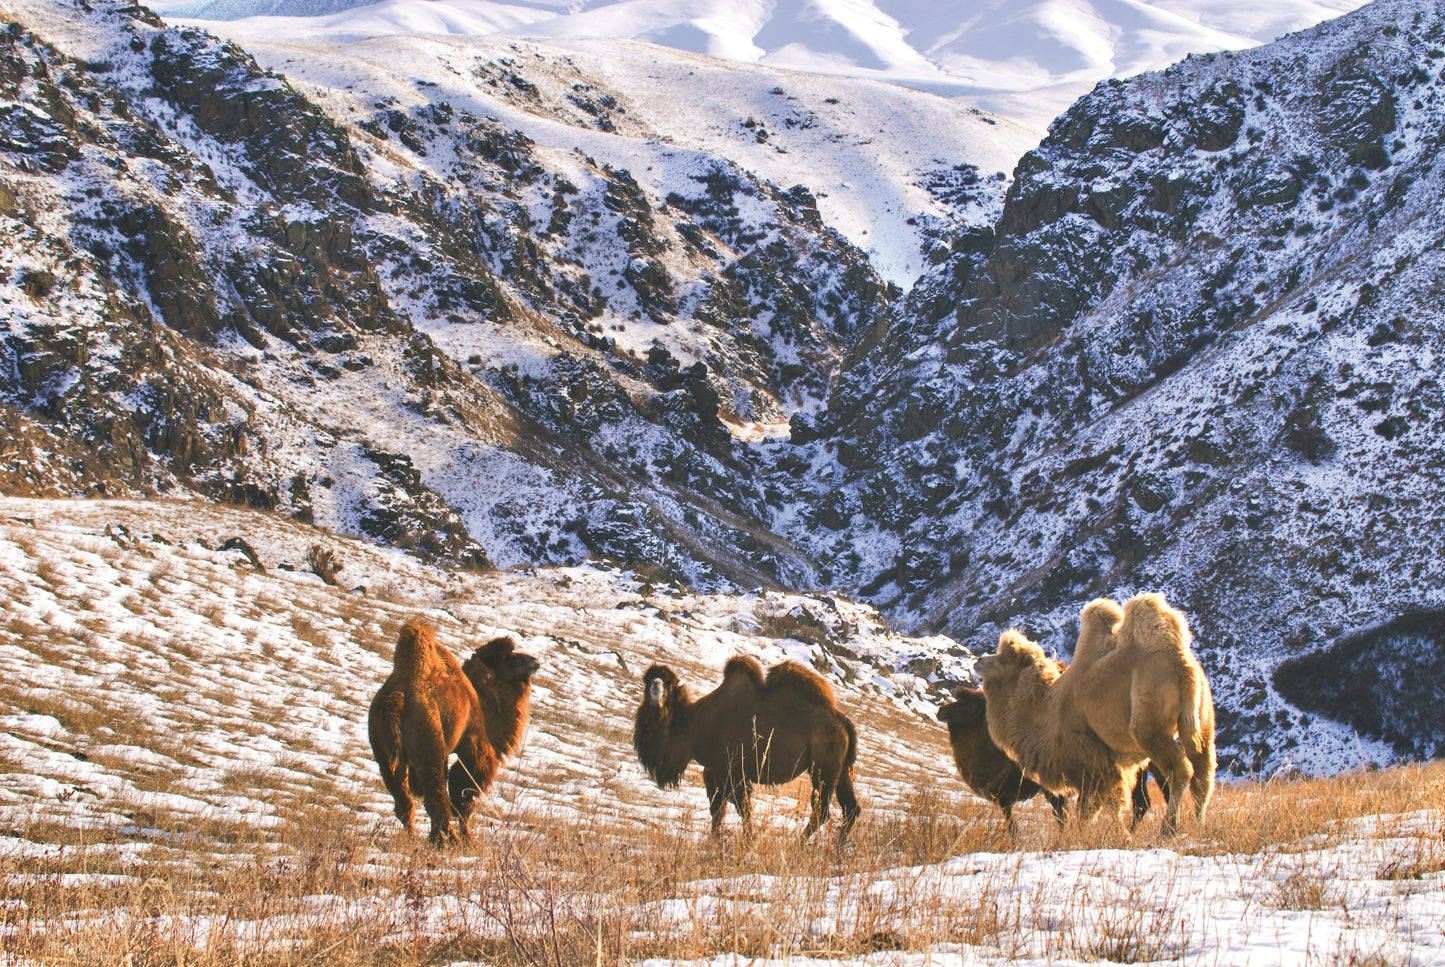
x=988 y=50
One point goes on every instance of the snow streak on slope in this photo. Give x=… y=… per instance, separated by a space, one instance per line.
x=1028 y=59
x=890 y=168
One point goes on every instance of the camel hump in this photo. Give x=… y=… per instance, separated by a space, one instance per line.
x=1098 y=623
x=1150 y=623
x=795 y=679
x=741 y=666
x=1102 y=614
x=416 y=645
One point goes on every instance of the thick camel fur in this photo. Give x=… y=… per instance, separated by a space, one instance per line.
x=749 y=731
x=982 y=765
x=502 y=679
x=426 y=710
x=1134 y=695
x=988 y=771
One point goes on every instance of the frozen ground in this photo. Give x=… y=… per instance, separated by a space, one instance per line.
x=154 y=685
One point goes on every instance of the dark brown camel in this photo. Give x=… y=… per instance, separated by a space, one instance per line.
x=749 y=730
x=988 y=771
x=983 y=766
x=502 y=678
x=426 y=710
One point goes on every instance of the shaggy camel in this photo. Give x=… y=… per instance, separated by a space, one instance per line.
x=1134 y=695
x=502 y=679
x=426 y=709
x=988 y=771
x=747 y=731
x=982 y=765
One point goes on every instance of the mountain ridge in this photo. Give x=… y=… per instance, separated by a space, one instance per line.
x=483 y=310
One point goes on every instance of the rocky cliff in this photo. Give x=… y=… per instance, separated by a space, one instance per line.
x=1199 y=352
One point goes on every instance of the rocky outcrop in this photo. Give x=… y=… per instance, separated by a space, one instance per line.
x=1193 y=355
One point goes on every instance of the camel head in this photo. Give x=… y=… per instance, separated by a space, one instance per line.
x=500 y=658
x=967 y=708
x=1017 y=659
x=659 y=733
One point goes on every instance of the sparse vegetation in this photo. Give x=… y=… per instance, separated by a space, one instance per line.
x=188 y=782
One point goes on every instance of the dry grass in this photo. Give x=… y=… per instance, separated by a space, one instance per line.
x=565 y=889
x=565 y=869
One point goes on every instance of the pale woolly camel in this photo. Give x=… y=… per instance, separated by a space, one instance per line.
x=1134 y=694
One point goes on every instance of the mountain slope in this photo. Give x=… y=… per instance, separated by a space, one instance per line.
x=395 y=312
x=1199 y=352
x=1024 y=59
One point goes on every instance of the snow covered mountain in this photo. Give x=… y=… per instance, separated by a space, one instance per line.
x=1199 y=351
x=1025 y=58
x=500 y=303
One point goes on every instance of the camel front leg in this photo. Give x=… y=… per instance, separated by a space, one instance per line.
x=742 y=797
x=717 y=800
x=822 y=792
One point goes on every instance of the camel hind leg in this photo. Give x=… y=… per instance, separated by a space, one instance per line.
x=395 y=777
x=1168 y=756
x=1201 y=786
x=847 y=801
x=384 y=731
x=717 y=798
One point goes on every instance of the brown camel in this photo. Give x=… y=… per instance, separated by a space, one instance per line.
x=1134 y=695
x=749 y=730
x=989 y=772
x=502 y=679
x=983 y=766
x=425 y=710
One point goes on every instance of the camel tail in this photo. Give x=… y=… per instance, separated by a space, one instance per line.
x=386 y=732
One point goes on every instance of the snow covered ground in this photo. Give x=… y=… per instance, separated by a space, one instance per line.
x=171 y=705
x=1026 y=58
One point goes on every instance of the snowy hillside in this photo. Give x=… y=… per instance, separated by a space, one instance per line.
x=187 y=775
x=1028 y=60
x=1199 y=352
x=501 y=304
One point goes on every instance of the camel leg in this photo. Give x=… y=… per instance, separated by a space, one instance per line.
x=429 y=770
x=1060 y=806
x=742 y=797
x=1166 y=753
x=1140 y=798
x=717 y=800
x=821 y=794
x=470 y=776
x=1202 y=784
x=1008 y=821
x=396 y=783
x=847 y=801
